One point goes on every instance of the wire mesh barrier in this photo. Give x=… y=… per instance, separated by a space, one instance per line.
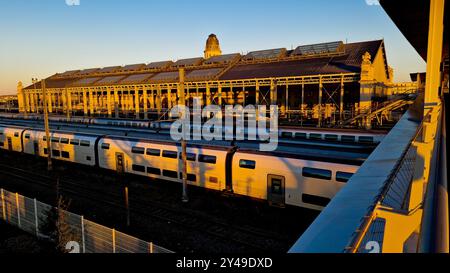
x=397 y=192
x=376 y=231
x=70 y=230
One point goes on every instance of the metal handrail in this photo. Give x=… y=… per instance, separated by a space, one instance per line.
x=435 y=218
x=370 y=112
x=371 y=217
x=428 y=242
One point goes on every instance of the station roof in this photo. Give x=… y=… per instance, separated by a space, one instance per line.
x=348 y=62
x=305 y=60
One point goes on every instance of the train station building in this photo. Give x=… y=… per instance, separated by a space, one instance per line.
x=318 y=81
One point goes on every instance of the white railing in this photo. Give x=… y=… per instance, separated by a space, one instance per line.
x=75 y=233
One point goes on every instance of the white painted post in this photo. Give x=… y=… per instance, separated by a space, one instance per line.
x=114 y=240
x=3 y=205
x=82 y=235
x=18 y=210
x=36 y=217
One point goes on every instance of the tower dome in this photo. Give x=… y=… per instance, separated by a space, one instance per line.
x=212 y=47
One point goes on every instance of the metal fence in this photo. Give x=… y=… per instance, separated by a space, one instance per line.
x=77 y=234
x=377 y=211
x=395 y=196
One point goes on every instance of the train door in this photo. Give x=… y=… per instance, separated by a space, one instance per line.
x=119 y=163
x=276 y=190
x=229 y=170
x=36 y=148
x=10 y=146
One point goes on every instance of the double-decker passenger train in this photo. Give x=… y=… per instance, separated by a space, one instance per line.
x=286 y=133
x=280 y=178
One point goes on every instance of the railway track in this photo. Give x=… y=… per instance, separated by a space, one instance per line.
x=242 y=235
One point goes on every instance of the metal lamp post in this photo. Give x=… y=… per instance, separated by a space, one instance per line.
x=47 y=129
x=185 y=197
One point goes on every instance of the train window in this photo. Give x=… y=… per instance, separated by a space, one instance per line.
x=105 y=146
x=65 y=154
x=56 y=153
x=207 y=159
x=315 y=200
x=16 y=134
x=348 y=138
x=300 y=135
x=189 y=156
x=151 y=170
x=213 y=179
x=317 y=173
x=2 y=144
x=138 y=150
x=190 y=177
x=138 y=168
x=74 y=142
x=27 y=136
x=277 y=186
x=85 y=143
x=366 y=139
x=153 y=152
x=44 y=138
x=171 y=174
x=55 y=139
x=88 y=158
x=170 y=154
x=286 y=134
x=247 y=164
x=343 y=176
x=64 y=140
x=45 y=151
x=315 y=136
x=331 y=137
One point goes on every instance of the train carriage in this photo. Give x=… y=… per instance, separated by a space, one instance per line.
x=280 y=177
x=11 y=138
x=331 y=135
x=76 y=120
x=287 y=180
x=205 y=165
x=65 y=146
x=286 y=134
x=121 y=122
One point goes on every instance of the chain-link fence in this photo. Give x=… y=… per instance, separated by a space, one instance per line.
x=72 y=231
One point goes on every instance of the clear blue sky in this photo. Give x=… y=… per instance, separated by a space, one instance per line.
x=42 y=37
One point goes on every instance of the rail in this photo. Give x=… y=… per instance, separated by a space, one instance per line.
x=435 y=224
x=394 y=197
x=384 y=207
x=71 y=232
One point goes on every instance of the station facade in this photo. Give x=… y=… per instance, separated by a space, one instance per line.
x=318 y=81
